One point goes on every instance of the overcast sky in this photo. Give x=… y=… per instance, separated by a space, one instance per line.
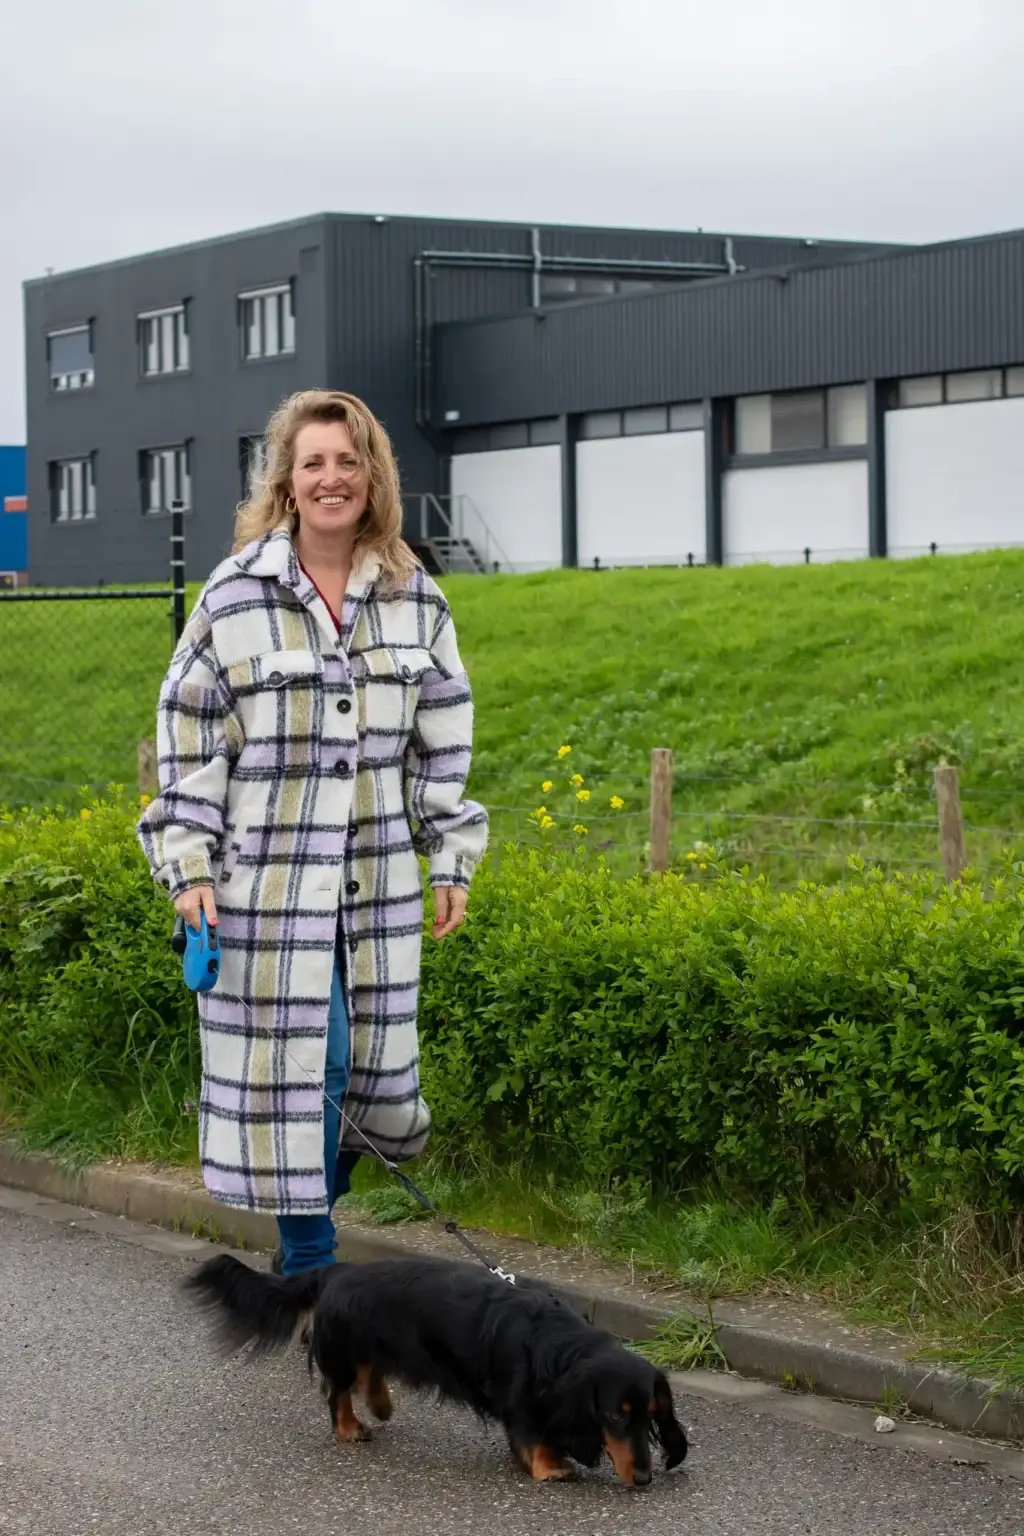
x=127 y=125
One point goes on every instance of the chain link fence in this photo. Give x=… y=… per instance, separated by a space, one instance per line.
x=80 y=670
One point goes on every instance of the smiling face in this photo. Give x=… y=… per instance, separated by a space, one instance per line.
x=330 y=483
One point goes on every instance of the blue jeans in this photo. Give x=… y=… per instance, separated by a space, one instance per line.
x=308 y=1242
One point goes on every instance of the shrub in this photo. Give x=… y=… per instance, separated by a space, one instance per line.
x=827 y=1041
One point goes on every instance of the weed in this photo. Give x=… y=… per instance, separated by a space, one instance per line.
x=686 y=1343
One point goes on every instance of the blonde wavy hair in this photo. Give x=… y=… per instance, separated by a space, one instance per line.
x=270 y=484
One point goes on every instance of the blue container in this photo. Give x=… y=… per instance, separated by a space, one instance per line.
x=13 y=525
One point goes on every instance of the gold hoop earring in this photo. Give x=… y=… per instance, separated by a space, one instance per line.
x=291 y=506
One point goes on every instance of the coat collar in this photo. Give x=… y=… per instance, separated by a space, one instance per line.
x=275 y=557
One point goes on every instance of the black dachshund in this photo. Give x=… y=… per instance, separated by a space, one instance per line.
x=561 y=1388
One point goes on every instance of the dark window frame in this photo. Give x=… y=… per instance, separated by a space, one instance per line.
x=146 y=317
x=145 y=477
x=75 y=328
x=53 y=478
x=260 y=295
x=894 y=402
x=827 y=453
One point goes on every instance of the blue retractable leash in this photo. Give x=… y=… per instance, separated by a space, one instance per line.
x=200 y=951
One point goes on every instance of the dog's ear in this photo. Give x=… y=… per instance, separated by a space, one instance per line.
x=671 y=1434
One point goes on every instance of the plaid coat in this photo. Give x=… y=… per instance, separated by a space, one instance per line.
x=302 y=774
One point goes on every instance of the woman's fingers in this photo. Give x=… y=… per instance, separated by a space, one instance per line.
x=449 y=909
x=191 y=904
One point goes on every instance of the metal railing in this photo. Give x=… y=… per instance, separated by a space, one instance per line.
x=455 y=532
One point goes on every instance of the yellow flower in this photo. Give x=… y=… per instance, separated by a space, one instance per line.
x=702 y=866
x=580 y=828
x=548 y=821
x=564 y=751
x=541 y=810
x=583 y=794
x=547 y=787
x=84 y=814
x=144 y=800
x=692 y=857
x=576 y=780
x=616 y=802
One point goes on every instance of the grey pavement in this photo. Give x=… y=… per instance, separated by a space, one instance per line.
x=116 y=1416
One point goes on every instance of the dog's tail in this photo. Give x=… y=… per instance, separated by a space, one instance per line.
x=253 y=1306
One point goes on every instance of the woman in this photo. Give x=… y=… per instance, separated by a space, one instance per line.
x=314 y=738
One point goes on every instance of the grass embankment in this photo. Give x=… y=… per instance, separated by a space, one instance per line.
x=820 y=692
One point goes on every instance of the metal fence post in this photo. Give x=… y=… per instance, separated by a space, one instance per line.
x=178 y=568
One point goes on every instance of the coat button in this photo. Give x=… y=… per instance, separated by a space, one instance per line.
x=352 y=888
x=275 y=679
x=341 y=767
x=344 y=705
x=352 y=829
x=407 y=673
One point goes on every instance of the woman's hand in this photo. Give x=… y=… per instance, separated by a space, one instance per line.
x=196 y=900
x=449 y=909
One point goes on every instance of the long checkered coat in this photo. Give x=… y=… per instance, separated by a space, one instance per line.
x=294 y=768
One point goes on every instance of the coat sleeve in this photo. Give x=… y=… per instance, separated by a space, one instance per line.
x=448 y=829
x=196 y=727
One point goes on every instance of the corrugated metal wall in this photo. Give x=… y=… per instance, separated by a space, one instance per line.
x=929 y=310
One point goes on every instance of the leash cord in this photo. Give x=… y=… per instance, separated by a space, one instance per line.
x=449 y=1223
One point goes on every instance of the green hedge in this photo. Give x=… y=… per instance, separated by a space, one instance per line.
x=865 y=1038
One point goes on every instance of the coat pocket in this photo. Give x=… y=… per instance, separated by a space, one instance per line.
x=281 y=669
x=388 y=679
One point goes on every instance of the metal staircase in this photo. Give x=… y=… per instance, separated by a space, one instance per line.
x=449 y=535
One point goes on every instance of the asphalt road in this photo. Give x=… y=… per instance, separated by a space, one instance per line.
x=117 y=1417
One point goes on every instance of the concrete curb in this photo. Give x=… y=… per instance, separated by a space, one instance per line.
x=759 y=1347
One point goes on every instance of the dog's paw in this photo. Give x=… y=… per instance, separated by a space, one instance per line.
x=546 y=1466
x=352 y=1432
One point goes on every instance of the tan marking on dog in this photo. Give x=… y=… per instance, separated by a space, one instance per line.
x=347 y=1428
x=621 y=1455
x=373 y=1389
x=545 y=1466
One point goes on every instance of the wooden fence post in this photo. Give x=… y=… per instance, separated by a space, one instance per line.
x=951 y=823
x=148 y=783
x=661 y=809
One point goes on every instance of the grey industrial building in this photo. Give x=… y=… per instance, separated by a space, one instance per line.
x=557 y=395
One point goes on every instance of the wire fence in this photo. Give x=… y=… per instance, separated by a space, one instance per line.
x=697 y=831
x=80 y=672
x=80 y=669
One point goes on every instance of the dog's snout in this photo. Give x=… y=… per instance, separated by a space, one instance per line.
x=641 y=1477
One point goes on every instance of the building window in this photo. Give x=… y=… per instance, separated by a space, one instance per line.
x=165 y=475
x=922 y=391
x=545 y=431
x=69 y=354
x=802 y=420
x=163 y=341
x=686 y=418
x=960 y=388
x=72 y=490
x=641 y=421
x=252 y=462
x=984 y=385
x=267 y=319
x=560 y=287
x=847 y=409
